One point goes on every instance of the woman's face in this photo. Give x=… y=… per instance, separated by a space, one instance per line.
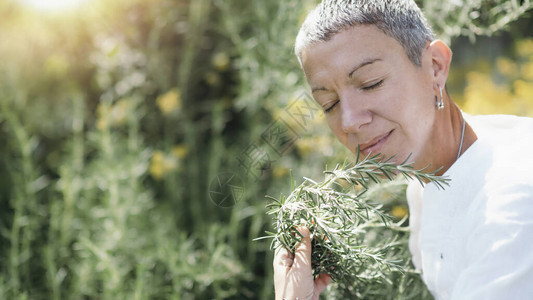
x=374 y=97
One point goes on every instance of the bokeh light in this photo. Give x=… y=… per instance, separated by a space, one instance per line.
x=54 y=5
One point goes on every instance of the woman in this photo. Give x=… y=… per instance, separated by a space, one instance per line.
x=380 y=76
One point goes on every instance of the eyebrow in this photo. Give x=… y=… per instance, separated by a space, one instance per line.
x=363 y=64
x=359 y=66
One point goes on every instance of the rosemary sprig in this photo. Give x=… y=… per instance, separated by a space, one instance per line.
x=343 y=221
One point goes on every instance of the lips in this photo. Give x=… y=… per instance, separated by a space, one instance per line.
x=375 y=144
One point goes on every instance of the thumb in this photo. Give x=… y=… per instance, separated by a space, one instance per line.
x=321 y=282
x=302 y=253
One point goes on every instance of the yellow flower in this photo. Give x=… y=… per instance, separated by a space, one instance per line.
x=321 y=144
x=524 y=94
x=180 y=151
x=101 y=124
x=305 y=146
x=525 y=47
x=523 y=89
x=156 y=165
x=221 y=61
x=399 y=212
x=212 y=78
x=120 y=111
x=160 y=164
x=506 y=67
x=482 y=96
x=169 y=101
x=112 y=115
x=527 y=70
x=279 y=172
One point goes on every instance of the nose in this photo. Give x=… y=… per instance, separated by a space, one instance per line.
x=354 y=115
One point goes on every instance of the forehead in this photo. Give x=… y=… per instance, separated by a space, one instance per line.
x=348 y=48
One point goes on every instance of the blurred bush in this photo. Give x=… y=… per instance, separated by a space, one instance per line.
x=503 y=85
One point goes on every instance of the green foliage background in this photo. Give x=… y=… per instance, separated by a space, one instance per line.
x=116 y=118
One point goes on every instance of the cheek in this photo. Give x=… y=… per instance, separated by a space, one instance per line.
x=332 y=121
x=414 y=112
x=417 y=106
x=418 y=129
x=335 y=125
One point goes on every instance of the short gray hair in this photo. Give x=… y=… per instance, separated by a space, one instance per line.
x=399 y=19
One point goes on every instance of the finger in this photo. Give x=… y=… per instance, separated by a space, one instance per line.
x=282 y=259
x=321 y=282
x=302 y=254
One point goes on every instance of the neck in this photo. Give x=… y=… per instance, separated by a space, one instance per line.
x=442 y=150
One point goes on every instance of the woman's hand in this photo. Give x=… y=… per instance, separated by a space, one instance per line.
x=293 y=276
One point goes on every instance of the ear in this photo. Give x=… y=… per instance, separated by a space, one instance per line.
x=441 y=57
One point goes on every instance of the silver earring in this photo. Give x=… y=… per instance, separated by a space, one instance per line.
x=439 y=102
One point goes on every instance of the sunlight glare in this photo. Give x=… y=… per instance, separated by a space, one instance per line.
x=53 y=5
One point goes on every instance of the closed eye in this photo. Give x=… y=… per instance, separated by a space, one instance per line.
x=327 y=110
x=366 y=88
x=373 y=86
